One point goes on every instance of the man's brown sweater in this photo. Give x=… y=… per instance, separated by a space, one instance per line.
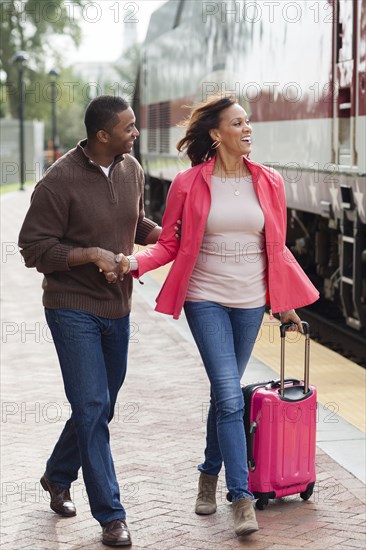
x=76 y=205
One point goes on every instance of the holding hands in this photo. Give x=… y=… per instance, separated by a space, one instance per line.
x=116 y=266
x=113 y=266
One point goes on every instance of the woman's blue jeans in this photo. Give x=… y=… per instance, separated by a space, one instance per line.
x=225 y=338
x=92 y=352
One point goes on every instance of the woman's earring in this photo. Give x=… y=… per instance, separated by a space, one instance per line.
x=215 y=144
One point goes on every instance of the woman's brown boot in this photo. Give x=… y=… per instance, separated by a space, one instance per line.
x=206 y=498
x=245 y=522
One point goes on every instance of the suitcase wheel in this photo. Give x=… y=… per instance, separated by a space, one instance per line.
x=229 y=497
x=261 y=503
x=305 y=495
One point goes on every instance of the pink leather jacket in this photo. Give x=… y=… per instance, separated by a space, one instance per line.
x=189 y=200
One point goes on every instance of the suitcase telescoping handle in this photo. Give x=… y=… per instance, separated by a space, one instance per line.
x=283 y=329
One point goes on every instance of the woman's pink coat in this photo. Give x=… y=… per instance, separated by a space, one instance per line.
x=189 y=200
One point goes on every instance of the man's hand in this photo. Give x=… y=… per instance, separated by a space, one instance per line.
x=291 y=317
x=178 y=229
x=154 y=235
x=121 y=267
x=114 y=266
x=106 y=261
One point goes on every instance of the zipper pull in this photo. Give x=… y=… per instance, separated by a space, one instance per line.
x=271 y=315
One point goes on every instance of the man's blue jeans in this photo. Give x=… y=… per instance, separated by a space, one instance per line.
x=92 y=352
x=225 y=338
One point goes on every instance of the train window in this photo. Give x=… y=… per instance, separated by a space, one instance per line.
x=164 y=125
x=158 y=130
x=152 y=128
x=344 y=81
x=344 y=31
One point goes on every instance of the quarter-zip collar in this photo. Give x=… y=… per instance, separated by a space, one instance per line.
x=81 y=149
x=93 y=165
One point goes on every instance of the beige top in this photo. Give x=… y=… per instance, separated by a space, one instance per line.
x=231 y=265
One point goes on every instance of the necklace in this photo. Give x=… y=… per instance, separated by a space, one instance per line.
x=233 y=182
x=235 y=185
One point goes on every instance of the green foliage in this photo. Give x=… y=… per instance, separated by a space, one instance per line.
x=29 y=26
x=32 y=26
x=71 y=100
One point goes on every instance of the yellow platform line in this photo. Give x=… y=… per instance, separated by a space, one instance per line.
x=341 y=384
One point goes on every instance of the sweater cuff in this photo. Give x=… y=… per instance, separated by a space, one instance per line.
x=58 y=258
x=143 y=229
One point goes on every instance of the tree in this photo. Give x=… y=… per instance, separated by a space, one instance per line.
x=127 y=67
x=71 y=99
x=29 y=25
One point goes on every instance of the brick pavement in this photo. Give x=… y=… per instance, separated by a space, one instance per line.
x=157 y=440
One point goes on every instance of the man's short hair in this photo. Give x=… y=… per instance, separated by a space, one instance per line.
x=101 y=113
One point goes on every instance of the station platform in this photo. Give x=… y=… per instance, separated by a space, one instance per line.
x=158 y=432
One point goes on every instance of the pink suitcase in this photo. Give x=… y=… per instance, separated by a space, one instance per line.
x=280 y=426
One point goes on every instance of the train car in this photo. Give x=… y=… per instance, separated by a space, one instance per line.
x=299 y=70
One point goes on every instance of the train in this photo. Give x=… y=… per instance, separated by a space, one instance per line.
x=299 y=70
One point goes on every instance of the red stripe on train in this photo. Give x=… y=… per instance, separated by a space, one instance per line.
x=267 y=108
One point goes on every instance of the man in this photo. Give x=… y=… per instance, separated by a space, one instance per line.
x=86 y=211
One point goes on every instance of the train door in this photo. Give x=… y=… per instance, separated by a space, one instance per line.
x=344 y=114
x=345 y=31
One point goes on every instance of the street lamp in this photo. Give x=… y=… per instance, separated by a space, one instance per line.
x=53 y=74
x=20 y=59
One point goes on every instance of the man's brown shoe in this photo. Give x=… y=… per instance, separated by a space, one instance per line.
x=116 y=533
x=61 y=502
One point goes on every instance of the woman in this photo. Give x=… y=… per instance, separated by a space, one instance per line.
x=230 y=261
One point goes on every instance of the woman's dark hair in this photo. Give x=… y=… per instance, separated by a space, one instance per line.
x=101 y=113
x=204 y=117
